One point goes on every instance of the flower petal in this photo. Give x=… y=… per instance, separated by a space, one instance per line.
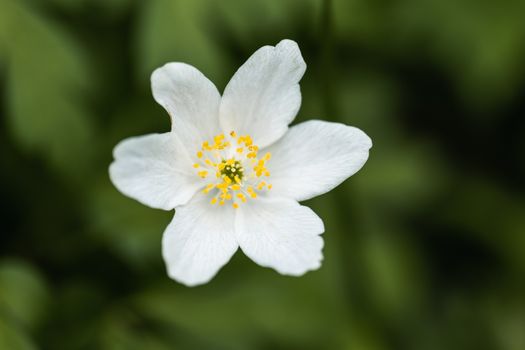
x=281 y=234
x=191 y=100
x=263 y=96
x=198 y=241
x=155 y=170
x=316 y=156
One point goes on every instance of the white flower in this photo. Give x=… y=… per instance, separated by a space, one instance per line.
x=234 y=171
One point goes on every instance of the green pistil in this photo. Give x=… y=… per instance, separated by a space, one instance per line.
x=233 y=170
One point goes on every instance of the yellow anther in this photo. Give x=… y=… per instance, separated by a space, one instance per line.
x=242 y=197
x=252 y=193
x=270 y=186
x=222 y=186
x=230 y=173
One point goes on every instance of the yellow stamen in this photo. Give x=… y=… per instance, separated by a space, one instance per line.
x=242 y=197
x=233 y=175
x=208 y=188
x=252 y=193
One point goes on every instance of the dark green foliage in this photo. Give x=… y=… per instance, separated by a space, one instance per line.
x=424 y=247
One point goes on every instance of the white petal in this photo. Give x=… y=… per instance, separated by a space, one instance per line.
x=263 y=96
x=155 y=170
x=314 y=157
x=191 y=100
x=199 y=241
x=281 y=234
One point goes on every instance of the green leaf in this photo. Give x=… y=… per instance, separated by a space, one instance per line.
x=122 y=331
x=400 y=177
x=243 y=18
x=491 y=214
x=131 y=229
x=13 y=338
x=47 y=77
x=103 y=7
x=177 y=31
x=287 y=310
x=392 y=272
x=23 y=293
x=479 y=45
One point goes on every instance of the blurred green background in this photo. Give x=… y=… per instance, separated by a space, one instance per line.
x=424 y=247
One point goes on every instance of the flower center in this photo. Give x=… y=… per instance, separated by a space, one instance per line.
x=237 y=168
x=232 y=170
